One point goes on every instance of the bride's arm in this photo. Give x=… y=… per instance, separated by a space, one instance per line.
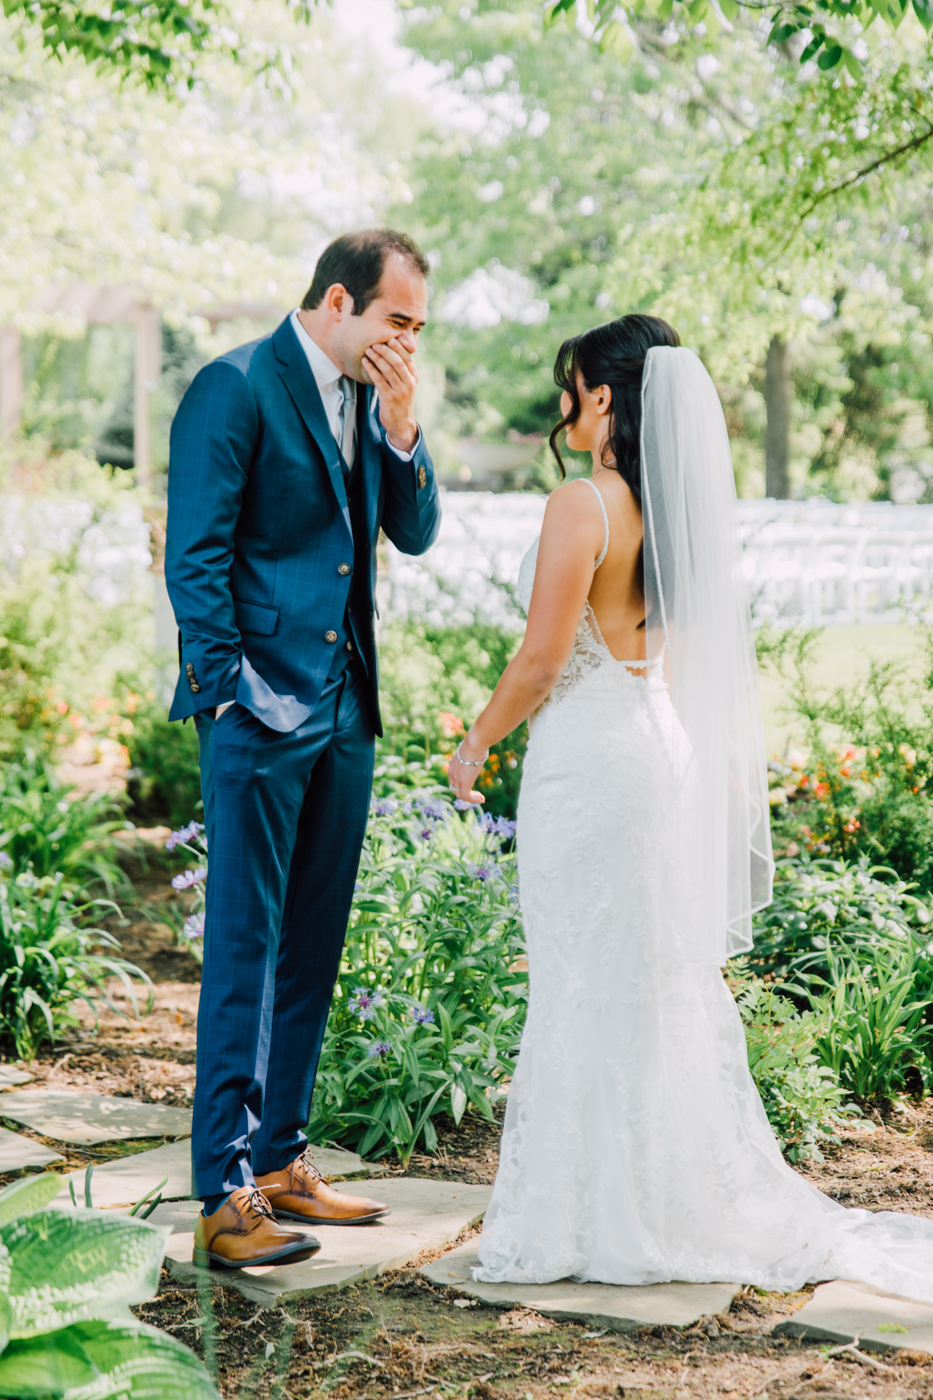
x=571 y=539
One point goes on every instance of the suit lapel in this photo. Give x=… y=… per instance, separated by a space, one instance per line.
x=295 y=373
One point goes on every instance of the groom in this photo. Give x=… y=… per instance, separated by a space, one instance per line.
x=287 y=456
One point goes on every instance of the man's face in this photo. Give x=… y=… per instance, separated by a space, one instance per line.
x=397 y=312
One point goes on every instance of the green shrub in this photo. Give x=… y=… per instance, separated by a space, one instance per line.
x=434 y=682
x=67 y=1279
x=823 y=908
x=164 y=781
x=802 y=1097
x=856 y=949
x=430 y=1003
x=50 y=959
x=863 y=788
x=45 y=829
x=873 y=1035
x=60 y=647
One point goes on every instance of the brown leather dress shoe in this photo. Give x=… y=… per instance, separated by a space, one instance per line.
x=244 y=1231
x=299 y=1192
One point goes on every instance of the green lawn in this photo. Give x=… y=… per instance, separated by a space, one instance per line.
x=842 y=655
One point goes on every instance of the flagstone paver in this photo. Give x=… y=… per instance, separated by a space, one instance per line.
x=17 y=1152
x=90 y=1118
x=426 y=1215
x=843 y=1311
x=123 y=1182
x=11 y=1074
x=601 y=1305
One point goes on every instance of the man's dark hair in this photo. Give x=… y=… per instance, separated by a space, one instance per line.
x=357 y=261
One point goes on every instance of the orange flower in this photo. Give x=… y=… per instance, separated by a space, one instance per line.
x=451 y=725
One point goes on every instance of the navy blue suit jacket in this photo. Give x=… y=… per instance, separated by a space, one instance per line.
x=258 y=527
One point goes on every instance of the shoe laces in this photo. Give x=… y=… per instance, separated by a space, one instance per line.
x=258 y=1204
x=307 y=1161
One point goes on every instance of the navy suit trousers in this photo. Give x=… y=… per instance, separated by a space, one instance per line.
x=285 y=817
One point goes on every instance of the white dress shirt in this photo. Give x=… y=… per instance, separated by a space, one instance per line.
x=338 y=392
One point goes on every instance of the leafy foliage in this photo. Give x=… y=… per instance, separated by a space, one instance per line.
x=869 y=794
x=48 y=830
x=430 y=1002
x=434 y=681
x=833 y=48
x=802 y=1097
x=874 y=1038
x=51 y=958
x=67 y=1279
x=856 y=949
x=164 y=782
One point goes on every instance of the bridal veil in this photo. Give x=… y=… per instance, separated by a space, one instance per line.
x=698 y=619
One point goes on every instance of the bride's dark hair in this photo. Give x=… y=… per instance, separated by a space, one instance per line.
x=612 y=354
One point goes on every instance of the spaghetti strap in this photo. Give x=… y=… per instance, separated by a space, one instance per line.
x=602 y=506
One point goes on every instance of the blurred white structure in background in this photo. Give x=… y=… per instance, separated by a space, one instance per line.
x=808 y=563
x=110 y=548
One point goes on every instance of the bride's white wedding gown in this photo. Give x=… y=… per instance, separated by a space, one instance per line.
x=636 y=1148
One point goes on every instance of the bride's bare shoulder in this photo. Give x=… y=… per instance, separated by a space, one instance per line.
x=572 y=508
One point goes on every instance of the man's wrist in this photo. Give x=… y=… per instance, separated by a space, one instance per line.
x=404 y=440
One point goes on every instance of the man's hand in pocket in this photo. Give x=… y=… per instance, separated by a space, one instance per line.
x=220 y=708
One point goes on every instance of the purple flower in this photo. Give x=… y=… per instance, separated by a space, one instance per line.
x=513 y=894
x=378 y=1049
x=194 y=926
x=182 y=837
x=497 y=826
x=365 y=1004
x=385 y=807
x=425 y=833
x=482 y=872
x=462 y=805
x=190 y=877
x=423 y=1015
x=5 y=861
x=435 y=809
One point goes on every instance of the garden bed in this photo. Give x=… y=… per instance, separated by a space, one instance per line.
x=418 y=1341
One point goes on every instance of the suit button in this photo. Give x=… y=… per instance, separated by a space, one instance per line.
x=195 y=689
x=422 y=477
x=349 y=646
x=343 y=569
x=189 y=669
x=330 y=636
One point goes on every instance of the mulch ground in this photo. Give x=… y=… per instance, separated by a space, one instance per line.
x=400 y=1336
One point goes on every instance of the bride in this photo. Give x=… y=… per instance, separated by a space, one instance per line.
x=636 y=1149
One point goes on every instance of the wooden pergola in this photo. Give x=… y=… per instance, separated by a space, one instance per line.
x=103 y=305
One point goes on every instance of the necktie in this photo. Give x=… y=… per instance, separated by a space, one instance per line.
x=345 y=421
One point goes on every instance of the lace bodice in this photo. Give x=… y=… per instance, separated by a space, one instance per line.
x=589 y=651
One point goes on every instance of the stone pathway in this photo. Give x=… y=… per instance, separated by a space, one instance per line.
x=17 y=1152
x=91 y=1118
x=854 y=1312
x=596 y=1304
x=426 y=1215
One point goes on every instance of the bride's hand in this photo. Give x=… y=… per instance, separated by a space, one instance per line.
x=461 y=776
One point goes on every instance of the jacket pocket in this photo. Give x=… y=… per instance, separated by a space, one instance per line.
x=255 y=617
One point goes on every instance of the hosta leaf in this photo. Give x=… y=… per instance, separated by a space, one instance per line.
x=32 y=1193
x=99 y=1360
x=79 y=1264
x=923 y=9
x=51 y=1365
